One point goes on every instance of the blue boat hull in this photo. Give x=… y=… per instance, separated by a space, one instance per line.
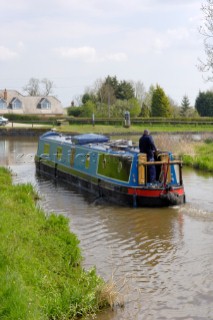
x=109 y=192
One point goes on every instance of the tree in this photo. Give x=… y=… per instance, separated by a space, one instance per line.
x=134 y=107
x=139 y=90
x=32 y=88
x=207 y=31
x=47 y=87
x=112 y=82
x=140 y=94
x=185 y=106
x=75 y=111
x=145 y=111
x=106 y=94
x=175 y=110
x=148 y=97
x=124 y=91
x=204 y=104
x=77 y=100
x=36 y=87
x=88 y=109
x=160 y=106
x=88 y=97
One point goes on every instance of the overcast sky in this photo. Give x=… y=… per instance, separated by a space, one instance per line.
x=75 y=42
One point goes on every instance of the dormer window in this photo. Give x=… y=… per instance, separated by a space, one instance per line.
x=3 y=104
x=15 y=104
x=44 y=104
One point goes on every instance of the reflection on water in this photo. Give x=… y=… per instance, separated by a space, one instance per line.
x=17 y=150
x=164 y=255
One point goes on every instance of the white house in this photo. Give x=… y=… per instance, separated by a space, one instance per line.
x=11 y=101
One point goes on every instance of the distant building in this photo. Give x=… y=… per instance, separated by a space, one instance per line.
x=11 y=101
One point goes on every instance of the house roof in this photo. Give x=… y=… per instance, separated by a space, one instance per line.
x=30 y=103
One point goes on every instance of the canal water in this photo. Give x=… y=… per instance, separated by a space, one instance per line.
x=160 y=260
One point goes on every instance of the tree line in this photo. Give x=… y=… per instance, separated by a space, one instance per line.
x=110 y=98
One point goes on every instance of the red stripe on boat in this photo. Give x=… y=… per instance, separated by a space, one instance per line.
x=153 y=192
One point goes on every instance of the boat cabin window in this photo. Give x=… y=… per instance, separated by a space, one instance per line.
x=72 y=157
x=115 y=167
x=87 y=162
x=46 y=149
x=59 y=153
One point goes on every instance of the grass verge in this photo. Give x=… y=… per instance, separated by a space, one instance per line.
x=41 y=276
x=202 y=159
x=118 y=129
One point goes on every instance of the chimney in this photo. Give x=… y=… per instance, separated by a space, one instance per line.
x=5 y=94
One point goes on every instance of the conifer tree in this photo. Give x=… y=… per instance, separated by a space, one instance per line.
x=145 y=112
x=204 y=104
x=185 y=106
x=160 y=106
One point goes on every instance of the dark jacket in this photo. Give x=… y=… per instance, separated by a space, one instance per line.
x=146 y=145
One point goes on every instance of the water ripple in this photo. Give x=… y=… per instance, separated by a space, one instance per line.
x=165 y=255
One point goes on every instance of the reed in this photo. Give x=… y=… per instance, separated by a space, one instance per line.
x=41 y=276
x=113 y=292
x=202 y=157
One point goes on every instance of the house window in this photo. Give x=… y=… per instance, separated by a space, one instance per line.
x=44 y=104
x=15 y=104
x=3 y=104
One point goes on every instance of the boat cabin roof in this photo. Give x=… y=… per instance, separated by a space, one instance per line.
x=94 y=141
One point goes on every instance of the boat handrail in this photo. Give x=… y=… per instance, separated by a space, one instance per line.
x=150 y=163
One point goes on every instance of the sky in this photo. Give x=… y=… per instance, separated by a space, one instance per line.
x=76 y=42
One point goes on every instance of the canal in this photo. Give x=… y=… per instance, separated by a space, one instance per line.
x=161 y=260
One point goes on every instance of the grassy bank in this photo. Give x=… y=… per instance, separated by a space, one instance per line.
x=40 y=261
x=202 y=158
x=116 y=129
x=23 y=128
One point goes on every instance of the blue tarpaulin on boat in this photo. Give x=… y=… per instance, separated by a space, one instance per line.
x=89 y=138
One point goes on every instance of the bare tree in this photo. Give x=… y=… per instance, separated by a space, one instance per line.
x=206 y=30
x=78 y=100
x=149 y=95
x=48 y=86
x=32 y=88
x=36 y=87
x=140 y=91
x=98 y=93
x=97 y=85
x=107 y=94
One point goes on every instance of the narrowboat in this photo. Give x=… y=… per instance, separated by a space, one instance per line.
x=114 y=170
